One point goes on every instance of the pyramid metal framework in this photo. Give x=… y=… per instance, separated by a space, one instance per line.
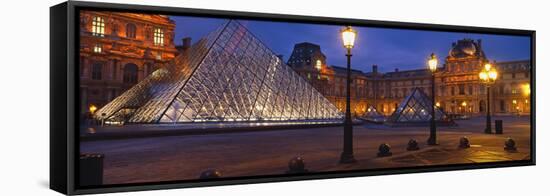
x=229 y=75
x=415 y=109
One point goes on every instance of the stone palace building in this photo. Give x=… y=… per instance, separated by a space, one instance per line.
x=117 y=50
x=458 y=88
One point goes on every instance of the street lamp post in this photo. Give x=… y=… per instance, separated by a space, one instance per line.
x=488 y=76
x=348 y=37
x=432 y=65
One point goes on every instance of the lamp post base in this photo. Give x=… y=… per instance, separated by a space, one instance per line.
x=347 y=158
x=488 y=131
x=432 y=141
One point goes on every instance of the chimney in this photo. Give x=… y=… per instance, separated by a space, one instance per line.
x=375 y=69
x=396 y=70
x=186 y=43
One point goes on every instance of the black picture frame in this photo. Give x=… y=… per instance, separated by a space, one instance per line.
x=64 y=91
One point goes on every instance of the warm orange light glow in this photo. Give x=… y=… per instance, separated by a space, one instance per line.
x=437 y=104
x=488 y=66
x=464 y=103
x=483 y=75
x=493 y=74
x=432 y=63
x=526 y=89
x=92 y=108
x=514 y=102
x=488 y=75
x=348 y=37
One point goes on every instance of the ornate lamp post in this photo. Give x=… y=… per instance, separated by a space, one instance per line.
x=488 y=76
x=432 y=65
x=348 y=38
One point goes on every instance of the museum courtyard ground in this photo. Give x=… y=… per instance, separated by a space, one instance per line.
x=268 y=152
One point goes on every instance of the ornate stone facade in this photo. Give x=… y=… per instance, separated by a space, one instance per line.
x=458 y=88
x=117 y=50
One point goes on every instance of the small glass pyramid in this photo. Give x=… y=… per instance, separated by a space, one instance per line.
x=415 y=110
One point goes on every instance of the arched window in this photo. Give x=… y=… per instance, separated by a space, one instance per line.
x=97 y=69
x=131 y=30
x=98 y=26
x=130 y=73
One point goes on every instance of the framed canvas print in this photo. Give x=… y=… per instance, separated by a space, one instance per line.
x=147 y=97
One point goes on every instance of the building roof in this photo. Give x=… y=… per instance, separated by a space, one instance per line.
x=343 y=70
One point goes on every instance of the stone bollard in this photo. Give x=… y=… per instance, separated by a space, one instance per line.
x=91 y=169
x=510 y=145
x=210 y=174
x=464 y=142
x=384 y=150
x=412 y=145
x=296 y=165
x=498 y=127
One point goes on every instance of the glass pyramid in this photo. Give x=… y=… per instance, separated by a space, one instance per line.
x=229 y=75
x=415 y=109
x=373 y=115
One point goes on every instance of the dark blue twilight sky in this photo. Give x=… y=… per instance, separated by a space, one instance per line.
x=388 y=48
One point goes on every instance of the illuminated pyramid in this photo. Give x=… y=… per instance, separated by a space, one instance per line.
x=229 y=75
x=373 y=115
x=415 y=110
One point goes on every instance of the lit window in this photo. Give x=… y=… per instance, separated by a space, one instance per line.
x=98 y=26
x=98 y=48
x=159 y=56
x=131 y=30
x=158 y=36
x=318 y=64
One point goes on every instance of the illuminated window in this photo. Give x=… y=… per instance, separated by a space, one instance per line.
x=131 y=30
x=159 y=56
x=318 y=65
x=158 y=36
x=98 y=48
x=98 y=26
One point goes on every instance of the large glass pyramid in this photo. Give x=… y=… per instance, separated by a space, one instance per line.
x=415 y=110
x=229 y=75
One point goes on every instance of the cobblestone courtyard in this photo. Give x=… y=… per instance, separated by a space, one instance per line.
x=268 y=152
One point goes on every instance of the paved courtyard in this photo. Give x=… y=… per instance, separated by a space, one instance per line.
x=268 y=152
